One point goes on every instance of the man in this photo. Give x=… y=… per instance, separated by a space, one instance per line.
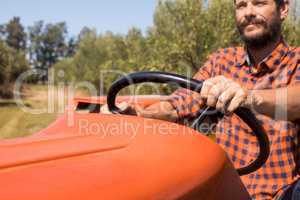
x=262 y=76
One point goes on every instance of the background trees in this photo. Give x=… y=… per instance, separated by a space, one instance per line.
x=185 y=31
x=14 y=34
x=48 y=45
x=183 y=34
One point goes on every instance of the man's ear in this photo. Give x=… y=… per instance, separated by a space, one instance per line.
x=284 y=9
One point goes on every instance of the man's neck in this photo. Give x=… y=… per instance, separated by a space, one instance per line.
x=258 y=54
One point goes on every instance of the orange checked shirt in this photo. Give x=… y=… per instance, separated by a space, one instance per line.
x=279 y=69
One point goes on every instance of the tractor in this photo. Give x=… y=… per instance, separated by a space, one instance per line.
x=88 y=155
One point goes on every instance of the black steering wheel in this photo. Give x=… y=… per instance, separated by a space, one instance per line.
x=195 y=85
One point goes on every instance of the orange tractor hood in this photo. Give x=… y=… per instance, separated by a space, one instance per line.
x=98 y=156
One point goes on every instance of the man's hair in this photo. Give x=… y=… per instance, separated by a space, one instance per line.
x=279 y=2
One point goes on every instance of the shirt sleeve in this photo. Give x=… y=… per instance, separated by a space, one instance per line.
x=296 y=76
x=186 y=102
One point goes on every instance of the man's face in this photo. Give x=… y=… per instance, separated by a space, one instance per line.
x=258 y=21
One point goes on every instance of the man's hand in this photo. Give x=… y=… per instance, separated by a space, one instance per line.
x=162 y=110
x=224 y=94
x=125 y=107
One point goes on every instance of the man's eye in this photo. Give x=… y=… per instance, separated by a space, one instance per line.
x=241 y=5
x=260 y=3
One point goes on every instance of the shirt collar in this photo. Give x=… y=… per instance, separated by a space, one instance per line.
x=270 y=62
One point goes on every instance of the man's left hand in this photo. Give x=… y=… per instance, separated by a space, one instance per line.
x=224 y=94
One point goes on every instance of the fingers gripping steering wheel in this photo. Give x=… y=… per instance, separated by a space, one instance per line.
x=195 y=85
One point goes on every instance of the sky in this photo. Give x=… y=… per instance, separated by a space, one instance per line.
x=103 y=15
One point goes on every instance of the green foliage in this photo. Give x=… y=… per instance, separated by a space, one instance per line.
x=96 y=57
x=137 y=50
x=184 y=33
x=291 y=32
x=14 y=34
x=48 y=44
x=12 y=64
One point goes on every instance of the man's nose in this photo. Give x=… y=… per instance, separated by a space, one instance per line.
x=250 y=11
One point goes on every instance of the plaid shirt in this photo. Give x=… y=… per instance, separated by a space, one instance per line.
x=280 y=68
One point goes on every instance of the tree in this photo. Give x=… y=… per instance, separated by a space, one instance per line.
x=36 y=44
x=71 y=47
x=14 y=35
x=84 y=32
x=47 y=44
x=54 y=45
x=136 y=44
x=95 y=57
x=185 y=32
x=2 y=31
x=12 y=64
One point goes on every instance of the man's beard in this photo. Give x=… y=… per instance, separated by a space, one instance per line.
x=269 y=35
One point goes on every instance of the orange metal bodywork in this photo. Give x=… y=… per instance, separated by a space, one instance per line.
x=97 y=156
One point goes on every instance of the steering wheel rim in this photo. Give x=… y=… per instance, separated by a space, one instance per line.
x=195 y=85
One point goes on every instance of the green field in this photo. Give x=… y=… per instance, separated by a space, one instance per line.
x=14 y=122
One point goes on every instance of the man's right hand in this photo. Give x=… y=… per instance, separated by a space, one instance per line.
x=162 y=110
x=125 y=107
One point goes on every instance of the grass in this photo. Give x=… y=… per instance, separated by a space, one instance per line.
x=15 y=122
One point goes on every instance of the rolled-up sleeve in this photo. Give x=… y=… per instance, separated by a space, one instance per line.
x=186 y=102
